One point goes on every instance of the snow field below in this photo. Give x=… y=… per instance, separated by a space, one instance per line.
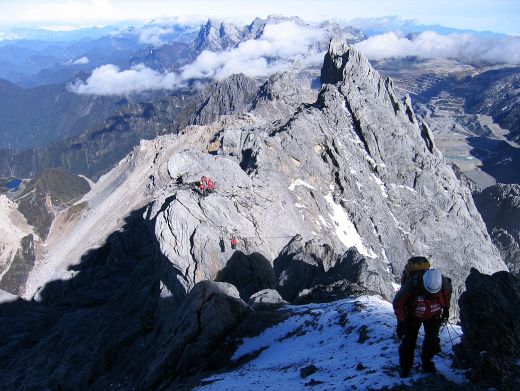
x=351 y=343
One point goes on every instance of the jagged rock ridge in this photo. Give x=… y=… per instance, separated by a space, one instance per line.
x=356 y=165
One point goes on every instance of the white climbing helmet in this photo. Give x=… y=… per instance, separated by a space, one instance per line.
x=432 y=280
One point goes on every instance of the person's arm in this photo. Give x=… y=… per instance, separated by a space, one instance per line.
x=400 y=307
x=401 y=300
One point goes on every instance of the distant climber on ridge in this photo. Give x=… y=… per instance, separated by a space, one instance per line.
x=424 y=299
x=234 y=242
x=206 y=185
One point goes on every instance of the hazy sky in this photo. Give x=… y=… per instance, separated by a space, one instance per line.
x=493 y=15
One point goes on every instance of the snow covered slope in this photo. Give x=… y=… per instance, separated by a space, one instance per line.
x=351 y=343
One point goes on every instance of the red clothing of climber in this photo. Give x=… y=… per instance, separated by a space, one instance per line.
x=210 y=185
x=234 y=243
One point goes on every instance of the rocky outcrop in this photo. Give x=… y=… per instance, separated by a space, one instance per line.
x=490 y=319
x=499 y=206
x=266 y=298
x=303 y=269
x=208 y=313
x=225 y=97
x=217 y=35
x=248 y=273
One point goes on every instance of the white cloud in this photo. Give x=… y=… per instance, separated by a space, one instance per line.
x=465 y=47
x=282 y=46
x=153 y=35
x=110 y=80
x=7 y=36
x=81 y=61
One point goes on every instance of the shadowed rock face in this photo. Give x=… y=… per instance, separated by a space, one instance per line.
x=108 y=327
x=249 y=273
x=209 y=312
x=306 y=270
x=490 y=317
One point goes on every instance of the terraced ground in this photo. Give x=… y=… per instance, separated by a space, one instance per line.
x=441 y=91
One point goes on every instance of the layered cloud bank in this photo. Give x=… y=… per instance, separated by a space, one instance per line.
x=110 y=80
x=464 y=47
x=290 y=45
x=282 y=46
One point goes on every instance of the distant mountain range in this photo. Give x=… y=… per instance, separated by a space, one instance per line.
x=41 y=115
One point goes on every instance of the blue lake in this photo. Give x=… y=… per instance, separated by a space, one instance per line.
x=13 y=184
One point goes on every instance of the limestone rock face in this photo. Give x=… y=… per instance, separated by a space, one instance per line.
x=352 y=170
x=228 y=96
x=490 y=317
x=325 y=198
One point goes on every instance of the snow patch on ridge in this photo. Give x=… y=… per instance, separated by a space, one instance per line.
x=329 y=337
x=345 y=230
x=299 y=182
x=381 y=185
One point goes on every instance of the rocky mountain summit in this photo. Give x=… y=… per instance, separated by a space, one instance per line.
x=217 y=35
x=356 y=163
x=327 y=196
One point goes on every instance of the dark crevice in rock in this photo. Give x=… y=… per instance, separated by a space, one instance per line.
x=248 y=161
x=427 y=136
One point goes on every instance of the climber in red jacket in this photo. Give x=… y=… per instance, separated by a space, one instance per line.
x=210 y=184
x=422 y=300
x=234 y=242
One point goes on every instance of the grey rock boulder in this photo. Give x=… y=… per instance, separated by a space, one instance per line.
x=266 y=298
x=306 y=268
